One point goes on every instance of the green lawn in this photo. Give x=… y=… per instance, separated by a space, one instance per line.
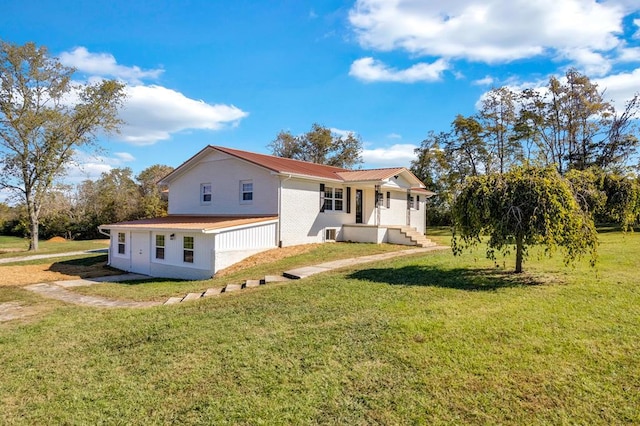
x=17 y=247
x=423 y=340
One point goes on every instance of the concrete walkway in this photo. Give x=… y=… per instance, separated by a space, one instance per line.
x=304 y=272
x=58 y=289
x=47 y=256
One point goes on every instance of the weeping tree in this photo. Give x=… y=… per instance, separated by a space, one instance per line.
x=523 y=207
x=44 y=117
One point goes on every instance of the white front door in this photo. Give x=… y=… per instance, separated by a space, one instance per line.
x=140 y=252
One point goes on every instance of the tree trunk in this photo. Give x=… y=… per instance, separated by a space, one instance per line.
x=519 y=253
x=33 y=225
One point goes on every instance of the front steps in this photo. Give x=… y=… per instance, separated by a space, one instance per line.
x=413 y=237
x=229 y=288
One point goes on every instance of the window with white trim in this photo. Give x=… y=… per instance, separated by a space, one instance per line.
x=160 y=246
x=122 y=243
x=333 y=199
x=412 y=203
x=330 y=234
x=187 y=249
x=388 y=199
x=246 y=192
x=206 y=195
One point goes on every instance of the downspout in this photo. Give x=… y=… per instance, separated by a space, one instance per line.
x=280 y=210
x=108 y=234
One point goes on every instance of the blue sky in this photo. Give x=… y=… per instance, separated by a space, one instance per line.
x=235 y=73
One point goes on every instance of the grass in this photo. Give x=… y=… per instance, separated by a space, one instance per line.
x=161 y=289
x=422 y=340
x=18 y=247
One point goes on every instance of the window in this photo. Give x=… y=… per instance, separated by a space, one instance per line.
x=411 y=202
x=121 y=242
x=330 y=234
x=333 y=199
x=417 y=202
x=246 y=192
x=187 y=249
x=205 y=193
x=388 y=199
x=159 y=246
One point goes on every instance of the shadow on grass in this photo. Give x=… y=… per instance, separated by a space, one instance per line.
x=459 y=278
x=83 y=261
x=151 y=281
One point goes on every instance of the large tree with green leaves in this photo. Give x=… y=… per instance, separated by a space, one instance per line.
x=44 y=117
x=319 y=145
x=521 y=208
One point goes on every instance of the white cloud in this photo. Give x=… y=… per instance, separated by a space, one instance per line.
x=394 y=136
x=370 y=70
x=88 y=166
x=486 y=81
x=342 y=133
x=629 y=54
x=621 y=87
x=636 y=22
x=153 y=113
x=490 y=30
x=105 y=65
x=391 y=156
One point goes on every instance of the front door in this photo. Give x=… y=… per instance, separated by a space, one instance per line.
x=359 y=203
x=140 y=252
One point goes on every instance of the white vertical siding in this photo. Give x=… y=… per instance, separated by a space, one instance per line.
x=258 y=236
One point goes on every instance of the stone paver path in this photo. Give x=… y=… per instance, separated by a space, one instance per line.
x=13 y=310
x=57 y=290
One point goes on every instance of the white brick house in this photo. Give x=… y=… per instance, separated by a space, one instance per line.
x=227 y=204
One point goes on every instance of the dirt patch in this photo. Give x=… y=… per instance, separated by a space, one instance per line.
x=34 y=274
x=57 y=240
x=267 y=257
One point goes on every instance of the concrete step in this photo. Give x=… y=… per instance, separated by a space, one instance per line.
x=251 y=283
x=192 y=296
x=212 y=292
x=173 y=300
x=274 y=279
x=232 y=287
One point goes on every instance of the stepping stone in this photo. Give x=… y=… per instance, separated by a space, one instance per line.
x=192 y=296
x=252 y=283
x=173 y=300
x=274 y=279
x=212 y=292
x=232 y=287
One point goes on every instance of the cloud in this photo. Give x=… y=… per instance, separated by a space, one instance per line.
x=153 y=113
x=394 y=136
x=342 y=133
x=391 y=156
x=620 y=88
x=491 y=31
x=487 y=81
x=371 y=70
x=636 y=22
x=105 y=65
x=86 y=166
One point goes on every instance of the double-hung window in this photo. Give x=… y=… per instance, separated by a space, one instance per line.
x=205 y=193
x=122 y=243
x=246 y=192
x=333 y=199
x=159 y=246
x=187 y=249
